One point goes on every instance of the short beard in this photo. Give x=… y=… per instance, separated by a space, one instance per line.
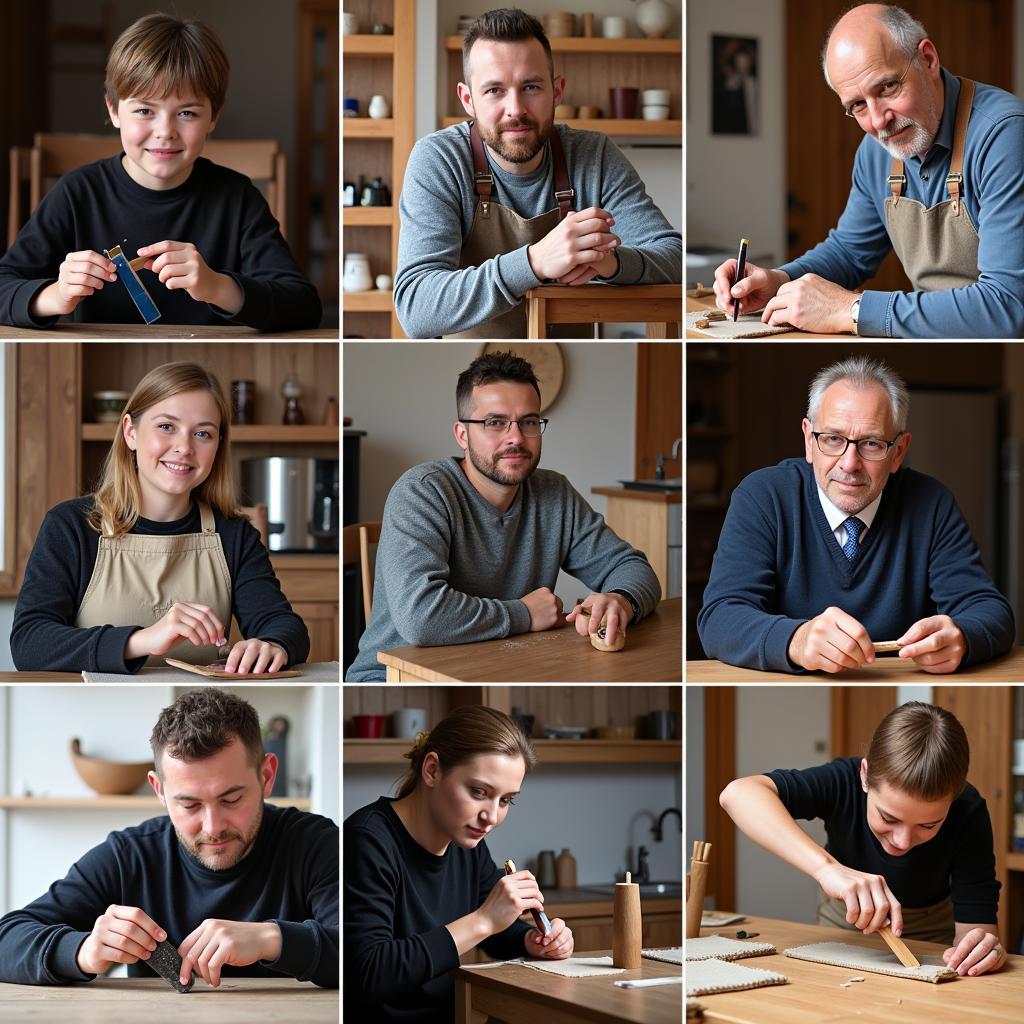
x=248 y=841
x=518 y=150
x=921 y=138
x=492 y=468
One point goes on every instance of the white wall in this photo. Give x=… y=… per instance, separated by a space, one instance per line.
x=736 y=185
x=403 y=395
x=555 y=810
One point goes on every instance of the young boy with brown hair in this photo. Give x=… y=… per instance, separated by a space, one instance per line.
x=215 y=252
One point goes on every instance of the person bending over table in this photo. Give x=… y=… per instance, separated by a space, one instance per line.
x=470 y=548
x=240 y=888
x=156 y=562
x=822 y=556
x=421 y=887
x=909 y=838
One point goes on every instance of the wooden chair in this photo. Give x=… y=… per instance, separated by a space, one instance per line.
x=355 y=545
x=52 y=155
x=659 y=306
x=257 y=515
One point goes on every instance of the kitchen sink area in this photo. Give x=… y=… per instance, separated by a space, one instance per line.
x=667 y=889
x=670 y=485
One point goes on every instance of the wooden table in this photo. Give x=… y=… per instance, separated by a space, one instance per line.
x=111 y=1000
x=522 y=995
x=708 y=302
x=652 y=655
x=312 y=672
x=156 y=332
x=814 y=995
x=656 y=305
x=1007 y=669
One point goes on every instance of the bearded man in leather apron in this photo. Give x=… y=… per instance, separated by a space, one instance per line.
x=512 y=200
x=937 y=180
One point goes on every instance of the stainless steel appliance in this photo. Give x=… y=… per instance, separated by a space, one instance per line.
x=301 y=496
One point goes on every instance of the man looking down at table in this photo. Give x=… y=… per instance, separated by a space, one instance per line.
x=819 y=557
x=470 y=548
x=239 y=887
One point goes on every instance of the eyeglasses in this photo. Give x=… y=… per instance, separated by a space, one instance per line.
x=872 y=449
x=529 y=426
x=890 y=90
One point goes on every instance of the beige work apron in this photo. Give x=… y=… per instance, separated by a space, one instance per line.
x=497 y=230
x=928 y=924
x=938 y=247
x=137 y=578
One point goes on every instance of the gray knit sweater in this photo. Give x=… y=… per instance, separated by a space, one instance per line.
x=433 y=297
x=451 y=568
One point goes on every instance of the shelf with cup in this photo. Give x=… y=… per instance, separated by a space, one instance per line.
x=610 y=126
x=368 y=46
x=583 y=751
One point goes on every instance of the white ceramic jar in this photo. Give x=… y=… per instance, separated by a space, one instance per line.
x=653 y=18
x=615 y=28
x=357 y=276
x=379 y=107
x=349 y=24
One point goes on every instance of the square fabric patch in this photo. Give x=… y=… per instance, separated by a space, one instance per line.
x=878 y=961
x=705 y=977
x=672 y=955
x=721 y=948
x=577 y=967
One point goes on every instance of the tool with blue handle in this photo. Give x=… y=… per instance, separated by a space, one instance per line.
x=136 y=289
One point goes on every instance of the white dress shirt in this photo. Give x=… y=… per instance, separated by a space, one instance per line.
x=836 y=517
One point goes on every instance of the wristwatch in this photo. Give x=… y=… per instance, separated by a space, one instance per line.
x=632 y=603
x=855 y=314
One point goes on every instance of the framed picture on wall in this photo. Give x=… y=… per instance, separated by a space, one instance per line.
x=735 y=90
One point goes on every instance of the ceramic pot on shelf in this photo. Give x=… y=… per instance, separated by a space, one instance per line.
x=357 y=277
x=653 y=18
x=379 y=108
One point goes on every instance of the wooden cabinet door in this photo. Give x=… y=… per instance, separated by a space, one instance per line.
x=321 y=619
x=660 y=930
x=659 y=407
x=591 y=932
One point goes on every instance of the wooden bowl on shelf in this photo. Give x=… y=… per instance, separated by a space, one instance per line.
x=565 y=111
x=560 y=23
x=108 y=778
x=616 y=732
x=589 y=113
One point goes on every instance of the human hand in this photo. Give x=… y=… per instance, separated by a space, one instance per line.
x=545 y=608
x=935 y=643
x=216 y=943
x=556 y=945
x=868 y=898
x=615 y=606
x=831 y=642
x=581 y=238
x=256 y=656
x=978 y=952
x=511 y=897
x=585 y=272
x=81 y=274
x=196 y=623
x=812 y=304
x=121 y=935
x=754 y=290
x=181 y=265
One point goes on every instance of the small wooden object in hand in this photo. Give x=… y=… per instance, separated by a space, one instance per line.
x=899 y=947
x=696 y=886
x=597 y=640
x=627 y=929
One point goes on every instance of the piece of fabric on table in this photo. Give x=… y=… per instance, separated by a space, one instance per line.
x=671 y=955
x=716 y=919
x=747 y=326
x=312 y=672
x=577 y=966
x=722 y=948
x=705 y=977
x=878 y=961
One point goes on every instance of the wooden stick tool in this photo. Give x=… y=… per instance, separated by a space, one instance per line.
x=540 y=919
x=899 y=948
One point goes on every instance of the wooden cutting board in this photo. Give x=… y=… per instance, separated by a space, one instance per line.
x=217 y=673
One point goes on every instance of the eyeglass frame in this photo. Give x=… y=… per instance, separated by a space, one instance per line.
x=899 y=82
x=816 y=434
x=542 y=420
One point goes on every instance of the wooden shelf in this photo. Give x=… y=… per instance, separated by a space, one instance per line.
x=390 y=751
x=260 y=433
x=596 y=44
x=368 y=46
x=609 y=125
x=366 y=216
x=87 y=803
x=366 y=302
x=368 y=128
x=1015 y=861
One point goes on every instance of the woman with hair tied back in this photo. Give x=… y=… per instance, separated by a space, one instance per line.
x=909 y=838
x=421 y=887
x=156 y=561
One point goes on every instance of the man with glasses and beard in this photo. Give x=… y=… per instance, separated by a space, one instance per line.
x=936 y=178
x=470 y=548
x=821 y=557
x=240 y=888
x=501 y=204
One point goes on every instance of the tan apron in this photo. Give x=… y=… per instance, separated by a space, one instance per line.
x=928 y=924
x=938 y=247
x=137 y=578
x=496 y=230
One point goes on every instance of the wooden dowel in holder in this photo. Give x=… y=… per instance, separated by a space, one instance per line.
x=696 y=886
x=627 y=928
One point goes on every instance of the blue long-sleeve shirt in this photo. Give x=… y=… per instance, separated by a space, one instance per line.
x=992 y=307
x=778 y=565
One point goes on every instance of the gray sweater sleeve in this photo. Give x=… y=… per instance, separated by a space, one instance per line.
x=433 y=296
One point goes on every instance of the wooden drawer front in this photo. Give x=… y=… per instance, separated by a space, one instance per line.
x=662 y=930
x=309 y=584
x=591 y=932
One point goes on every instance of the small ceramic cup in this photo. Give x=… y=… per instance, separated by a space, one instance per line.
x=407 y=722
x=383 y=282
x=349 y=24
x=615 y=28
x=655 y=97
x=655 y=113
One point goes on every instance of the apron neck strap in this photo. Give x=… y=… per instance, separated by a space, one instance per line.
x=483 y=180
x=206 y=517
x=955 y=178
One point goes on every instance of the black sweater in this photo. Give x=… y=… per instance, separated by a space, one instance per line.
x=398 y=899
x=45 y=639
x=218 y=210
x=289 y=877
x=959 y=859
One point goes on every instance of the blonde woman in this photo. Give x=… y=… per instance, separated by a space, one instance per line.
x=158 y=559
x=421 y=886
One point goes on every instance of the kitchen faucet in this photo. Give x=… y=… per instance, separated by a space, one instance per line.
x=659 y=471
x=643 y=870
x=656 y=829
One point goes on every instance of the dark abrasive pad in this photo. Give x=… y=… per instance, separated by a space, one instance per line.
x=166 y=962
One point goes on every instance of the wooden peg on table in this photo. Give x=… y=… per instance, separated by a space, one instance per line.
x=899 y=947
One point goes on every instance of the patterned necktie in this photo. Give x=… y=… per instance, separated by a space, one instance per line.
x=853 y=528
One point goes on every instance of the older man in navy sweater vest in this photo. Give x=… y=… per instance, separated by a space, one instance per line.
x=820 y=557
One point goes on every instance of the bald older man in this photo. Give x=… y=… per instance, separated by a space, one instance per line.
x=937 y=178
x=821 y=557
